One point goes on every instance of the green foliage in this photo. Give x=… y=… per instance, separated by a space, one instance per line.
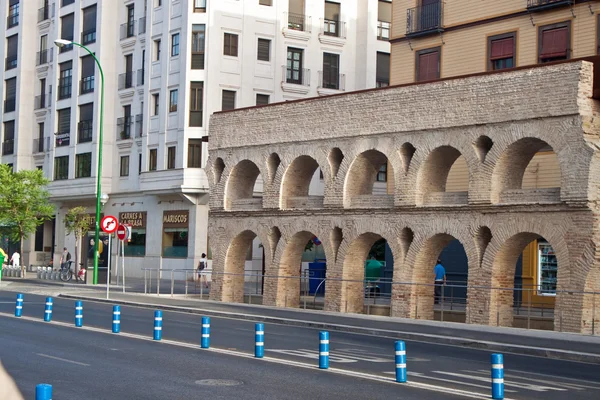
x=378 y=250
x=24 y=202
x=77 y=222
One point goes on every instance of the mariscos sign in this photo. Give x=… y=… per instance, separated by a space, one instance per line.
x=175 y=218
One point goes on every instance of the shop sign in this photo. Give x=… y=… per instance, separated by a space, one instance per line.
x=135 y=219
x=175 y=219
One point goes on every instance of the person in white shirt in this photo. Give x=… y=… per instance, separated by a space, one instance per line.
x=15 y=259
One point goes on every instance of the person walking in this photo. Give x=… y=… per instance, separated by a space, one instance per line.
x=16 y=260
x=65 y=257
x=202 y=264
x=440 y=279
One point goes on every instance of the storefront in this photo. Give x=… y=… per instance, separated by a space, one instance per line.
x=136 y=246
x=175 y=234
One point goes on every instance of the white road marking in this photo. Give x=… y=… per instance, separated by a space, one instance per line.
x=62 y=359
x=556 y=380
x=267 y=333
x=527 y=386
x=423 y=376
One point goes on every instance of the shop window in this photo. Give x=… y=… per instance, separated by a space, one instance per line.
x=136 y=246
x=175 y=234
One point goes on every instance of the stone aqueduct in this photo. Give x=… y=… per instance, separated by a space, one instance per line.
x=496 y=121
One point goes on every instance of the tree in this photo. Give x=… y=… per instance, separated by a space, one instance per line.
x=77 y=222
x=24 y=203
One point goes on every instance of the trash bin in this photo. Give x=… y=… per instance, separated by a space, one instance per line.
x=1 y=264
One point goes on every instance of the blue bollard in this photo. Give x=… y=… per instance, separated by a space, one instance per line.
x=157 y=325
x=43 y=391
x=19 y=306
x=116 y=325
x=323 y=350
x=205 y=341
x=400 y=359
x=78 y=314
x=497 y=376
x=259 y=338
x=48 y=311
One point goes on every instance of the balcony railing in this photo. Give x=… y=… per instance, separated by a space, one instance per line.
x=45 y=13
x=39 y=101
x=12 y=20
x=86 y=85
x=88 y=36
x=66 y=47
x=299 y=22
x=295 y=76
x=126 y=80
x=38 y=145
x=62 y=139
x=332 y=81
x=141 y=25
x=11 y=62
x=127 y=30
x=383 y=30
x=43 y=57
x=8 y=147
x=424 y=20
x=85 y=130
x=334 y=28
x=10 y=104
x=140 y=79
x=139 y=125
x=65 y=87
x=124 y=125
x=539 y=5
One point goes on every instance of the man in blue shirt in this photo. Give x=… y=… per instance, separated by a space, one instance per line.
x=440 y=279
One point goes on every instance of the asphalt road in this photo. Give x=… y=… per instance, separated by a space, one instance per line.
x=442 y=365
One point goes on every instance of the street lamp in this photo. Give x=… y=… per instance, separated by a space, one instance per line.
x=62 y=43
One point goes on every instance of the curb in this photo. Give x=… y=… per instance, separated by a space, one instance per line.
x=420 y=337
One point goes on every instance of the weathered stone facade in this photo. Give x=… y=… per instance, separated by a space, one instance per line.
x=496 y=121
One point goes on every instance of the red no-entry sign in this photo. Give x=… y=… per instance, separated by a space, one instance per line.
x=121 y=232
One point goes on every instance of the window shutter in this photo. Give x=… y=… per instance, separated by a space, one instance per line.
x=554 y=43
x=264 y=47
x=262 y=99
x=11 y=88
x=12 y=45
x=66 y=28
x=429 y=66
x=13 y=2
x=502 y=48
x=228 y=102
x=89 y=18
x=384 y=11
x=86 y=112
x=332 y=11
x=64 y=120
x=87 y=66
x=383 y=67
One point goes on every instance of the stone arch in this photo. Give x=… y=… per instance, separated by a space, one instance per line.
x=240 y=187
x=218 y=168
x=407 y=150
x=273 y=162
x=361 y=178
x=296 y=182
x=433 y=176
x=482 y=147
x=335 y=160
x=274 y=237
x=235 y=258
x=509 y=170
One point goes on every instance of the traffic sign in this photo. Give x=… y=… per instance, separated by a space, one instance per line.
x=109 y=224
x=122 y=232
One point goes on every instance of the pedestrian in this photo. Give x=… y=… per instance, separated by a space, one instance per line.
x=201 y=267
x=8 y=388
x=440 y=279
x=16 y=260
x=65 y=257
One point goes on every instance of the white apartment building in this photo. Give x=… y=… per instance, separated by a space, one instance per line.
x=168 y=65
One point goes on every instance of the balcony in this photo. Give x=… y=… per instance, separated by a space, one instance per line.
x=127 y=30
x=66 y=47
x=39 y=101
x=124 y=125
x=139 y=125
x=88 y=37
x=8 y=147
x=45 y=13
x=85 y=131
x=12 y=20
x=43 y=57
x=541 y=5
x=86 y=85
x=296 y=77
x=64 y=88
x=140 y=79
x=334 y=28
x=10 y=104
x=38 y=145
x=332 y=81
x=298 y=22
x=126 y=80
x=11 y=62
x=383 y=30
x=424 y=20
x=62 y=139
x=142 y=26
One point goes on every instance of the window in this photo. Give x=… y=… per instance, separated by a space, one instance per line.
x=294 y=66
x=194 y=153
x=264 y=50
x=173 y=96
x=61 y=168
x=501 y=51
x=66 y=31
x=86 y=123
x=130 y=21
x=157 y=50
x=384 y=20
x=265 y=2
x=332 y=19
x=171 y=157
x=382 y=78
x=428 y=64
x=175 y=44
x=13 y=14
x=230 y=45
x=83 y=165
x=10 y=99
x=88 y=69
x=153 y=160
x=198 y=42
x=175 y=234
x=196 y=91
x=12 y=49
x=199 y=5
x=63 y=136
x=157 y=3
x=331 y=71
x=382 y=173
x=39 y=238
x=67 y=2
x=39 y=142
x=228 y=100
x=139 y=164
x=554 y=42
x=65 y=80
x=88 y=34
x=8 y=142
x=262 y=99
x=155 y=103
x=124 y=170
x=44 y=55
x=136 y=245
x=124 y=123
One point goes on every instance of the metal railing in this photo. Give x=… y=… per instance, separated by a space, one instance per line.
x=299 y=22
x=296 y=76
x=199 y=281
x=38 y=145
x=126 y=80
x=43 y=57
x=127 y=30
x=10 y=104
x=424 y=19
x=45 y=13
x=383 y=30
x=548 y=3
x=335 y=28
x=85 y=131
x=10 y=62
x=66 y=47
x=62 y=139
x=12 y=20
x=88 y=36
x=39 y=101
x=124 y=127
x=329 y=81
x=86 y=84
x=65 y=87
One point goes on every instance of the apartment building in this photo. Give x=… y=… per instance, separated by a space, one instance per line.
x=167 y=65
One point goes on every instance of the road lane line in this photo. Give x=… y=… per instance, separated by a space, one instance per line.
x=356 y=374
x=460 y=383
x=522 y=385
x=62 y=359
x=555 y=380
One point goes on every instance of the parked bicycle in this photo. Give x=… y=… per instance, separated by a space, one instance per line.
x=66 y=272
